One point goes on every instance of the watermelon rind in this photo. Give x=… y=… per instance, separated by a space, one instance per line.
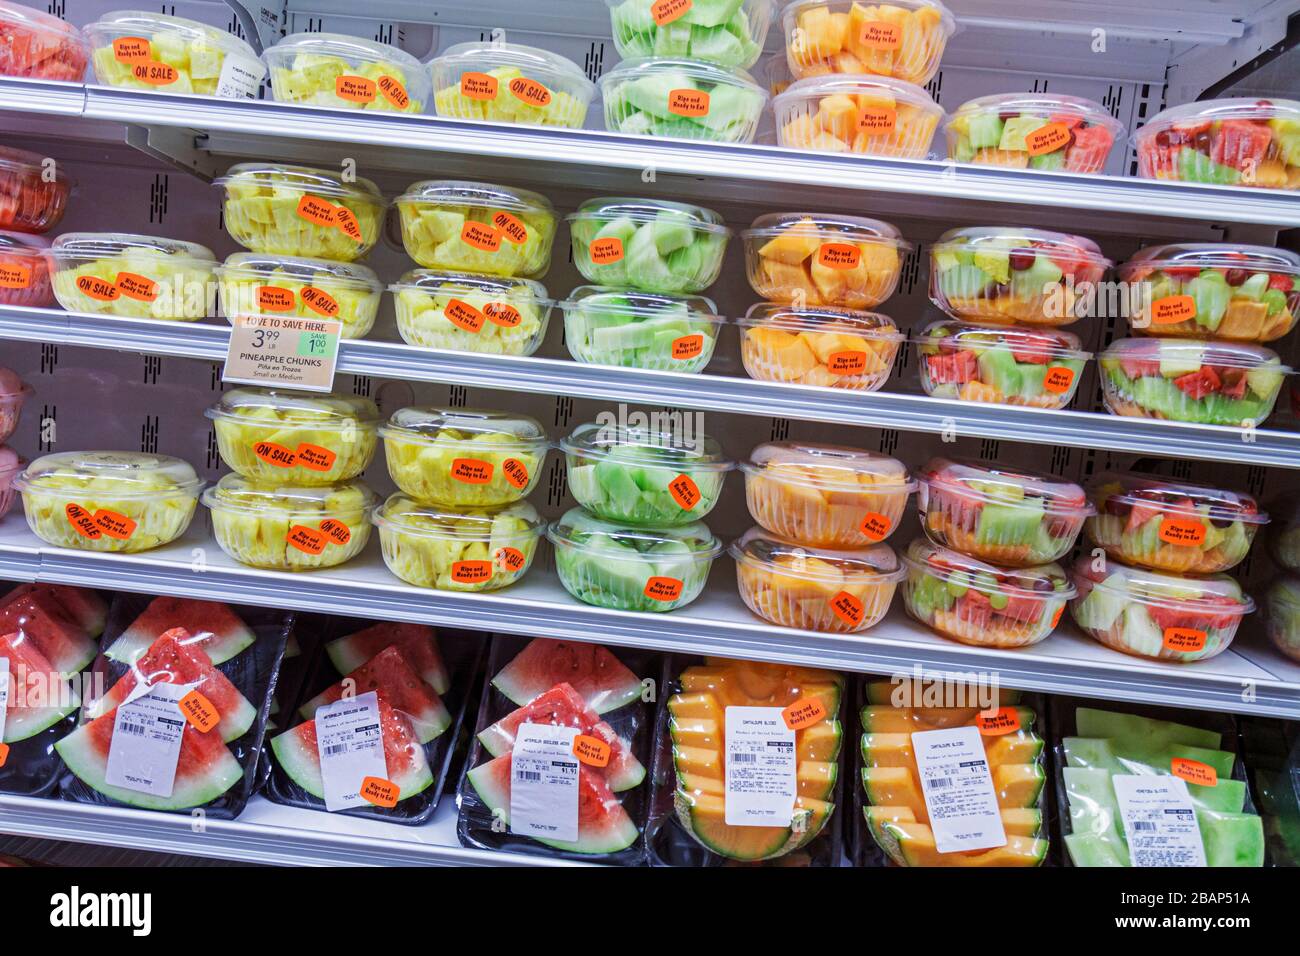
x=83 y=605
x=531 y=673
x=230 y=642
x=62 y=641
x=302 y=764
x=350 y=652
x=23 y=724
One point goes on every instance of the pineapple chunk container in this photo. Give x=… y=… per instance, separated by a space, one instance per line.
x=253 y=283
x=510 y=83
x=345 y=72
x=903 y=39
x=864 y=115
x=139 y=277
x=152 y=51
x=465 y=312
x=286 y=528
x=837 y=348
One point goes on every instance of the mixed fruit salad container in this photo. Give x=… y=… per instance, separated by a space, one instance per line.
x=1040 y=368
x=1229 y=142
x=25 y=271
x=33 y=192
x=1033 y=131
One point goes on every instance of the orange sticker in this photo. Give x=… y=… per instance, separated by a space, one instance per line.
x=1182 y=531
x=516 y=472
x=666 y=11
x=685 y=492
x=663 y=589
x=512 y=228
x=472 y=471
x=687 y=347
x=688 y=102
x=1185 y=640
x=1004 y=720
x=380 y=792
x=82 y=521
x=879 y=35
x=1056 y=618
x=876 y=120
x=875 y=526
x=1172 y=309
x=200 y=712
x=4 y=754
x=305 y=539
x=97 y=288
x=15 y=277
x=478 y=86
x=115 y=525
x=274 y=454
x=271 y=299
x=355 y=89
x=138 y=287
x=510 y=560
x=1048 y=139
x=848 y=608
x=319 y=211
x=839 y=255
x=320 y=302
x=481 y=236
x=336 y=531
x=804 y=713
x=393 y=91
x=315 y=457
x=463 y=315
x=1193 y=771
x=849 y=362
x=506 y=316
x=530 y=91
x=155 y=74
x=347 y=223
x=471 y=572
x=592 y=751
x=132 y=50
x=604 y=251
x=1058 y=379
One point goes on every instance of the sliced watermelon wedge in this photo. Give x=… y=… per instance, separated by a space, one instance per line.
x=39 y=696
x=417 y=642
x=175 y=658
x=603 y=824
x=390 y=675
x=564 y=707
x=212 y=624
x=299 y=755
x=83 y=605
x=60 y=639
x=600 y=677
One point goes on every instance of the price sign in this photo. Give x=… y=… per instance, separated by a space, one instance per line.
x=278 y=351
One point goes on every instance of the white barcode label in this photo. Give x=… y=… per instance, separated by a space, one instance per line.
x=1159 y=820
x=350 y=741
x=240 y=78
x=146 y=744
x=4 y=693
x=544 y=783
x=760 y=784
x=958 y=790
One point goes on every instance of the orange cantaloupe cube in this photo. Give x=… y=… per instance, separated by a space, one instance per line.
x=796 y=243
x=788 y=356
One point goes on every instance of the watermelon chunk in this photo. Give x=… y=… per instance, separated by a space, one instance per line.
x=391 y=676
x=83 y=605
x=214 y=625
x=564 y=707
x=600 y=677
x=417 y=642
x=603 y=824
x=60 y=639
x=175 y=658
x=38 y=696
x=299 y=755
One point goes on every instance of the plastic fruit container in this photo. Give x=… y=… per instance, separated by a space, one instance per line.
x=465 y=312
x=865 y=115
x=284 y=439
x=1213 y=290
x=29 y=202
x=837 y=348
x=982 y=604
x=476 y=227
x=1004 y=366
x=727 y=32
x=1047 y=131
x=1008 y=517
x=825 y=496
x=1284 y=541
x=286 y=528
x=644 y=477
x=254 y=283
x=151 y=51
x=138 y=277
x=450 y=549
x=1282 y=613
x=24 y=271
x=13 y=396
x=670 y=333
x=626 y=568
x=999 y=275
x=815 y=589
x=1156 y=615
x=1232 y=142
x=37 y=45
x=681 y=99
x=648 y=244
x=348 y=73
x=510 y=83
x=300 y=211
x=1185 y=380
x=846 y=262
x=1172 y=526
x=117 y=501
x=903 y=39
x=464 y=457
x=11 y=465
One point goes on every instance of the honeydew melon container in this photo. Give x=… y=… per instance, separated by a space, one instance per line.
x=116 y=501
x=284 y=438
x=286 y=528
x=253 y=283
x=132 y=276
x=1283 y=615
x=139 y=50
x=510 y=83
x=465 y=312
x=346 y=72
x=727 y=32
x=681 y=99
x=670 y=333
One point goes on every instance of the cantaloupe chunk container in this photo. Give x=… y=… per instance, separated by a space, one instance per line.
x=903 y=39
x=848 y=262
x=835 y=348
x=865 y=115
x=829 y=496
x=815 y=589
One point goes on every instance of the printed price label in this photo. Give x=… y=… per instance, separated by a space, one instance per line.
x=544 y=782
x=355 y=89
x=592 y=751
x=281 y=351
x=1058 y=379
x=132 y=50
x=1187 y=531
x=464 y=316
x=146 y=742
x=607 y=250
x=804 y=713
x=512 y=227
x=663 y=589
x=839 y=255
x=848 y=362
x=1172 y=309
x=688 y=347
x=478 y=86
x=350 y=742
x=875 y=526
x=516 y=472
x=200 y=712
x=530 y=92
x=688 y=102
x=471 y=572
x=848 y=608
x=878 y=35
x=1193 y=771
x=685 y=492
x=760 y=783
x=391 y=88
x=877 y=120
x=958 y=790
x=1187 y=640
x=271 y=299
x=240 y=78
x=472 y=471
x=1048 y=139
x=1159 y=820
x=14 y=276
x=1004 y=720
x=666 y=11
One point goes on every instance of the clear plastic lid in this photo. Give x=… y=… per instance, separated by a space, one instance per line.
x=275 y=406
x=11 y=385
x=546 y=67
x=409 y=516
x=237 y=493
x=305 y=179
x=641 y=211
x=122 y=23
x=110 y=474
x=882 y=88
x=1211 y=111
x=641 y=305
x=1052 y=106
x=25 y=165
x=829 y=467
x=1217 y=593
x=828 y=225
x=20 y=245
x=583 y=530
x=872 y=325
x=1053 y=343
x=90 y=246
x=1058 y=245
x=487 y=430
x=10 y=463
x=691 y=71
x=1119 y=492
x=993 y=483
x=646 y=447
x=437 y=282
x=14 y=15
x=350 y=48
x=877 y=564
x=1197 y=256
x=456 y=192
x=261 y=265
x=1192 y=354
x=1044 y=580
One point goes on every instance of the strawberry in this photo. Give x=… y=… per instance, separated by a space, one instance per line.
x=1198 y=384
x=1182 y=273
x=1282 y=282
